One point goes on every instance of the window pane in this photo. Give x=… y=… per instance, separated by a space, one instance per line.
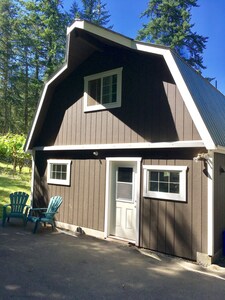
x=174 y=188
x=164 y=176
x=124 y=191
x=58 y=171
x=94 y=91
x=109 y=89
x=153 y=175
x=153 y=186
x=163 y=187
x=125 y=174
x=174 y=176
x=164 y=181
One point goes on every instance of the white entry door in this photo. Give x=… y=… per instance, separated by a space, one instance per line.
x=123 y=199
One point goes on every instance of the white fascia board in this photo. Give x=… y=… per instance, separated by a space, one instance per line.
x=166 y=145
x=102 y=32
x=41 y=103
x=189 y=102
x=149 y=48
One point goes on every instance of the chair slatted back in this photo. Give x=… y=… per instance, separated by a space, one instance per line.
x=53 y=206
x=18 y=201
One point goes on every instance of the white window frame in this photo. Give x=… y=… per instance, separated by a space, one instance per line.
x=161 y=195
x=128 y=183
x=101 y=75
x=59 y=162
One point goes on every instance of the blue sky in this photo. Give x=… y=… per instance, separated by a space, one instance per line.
x=208 y=20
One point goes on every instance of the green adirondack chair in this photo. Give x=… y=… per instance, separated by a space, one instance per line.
x=18 y=207
x=45 y=215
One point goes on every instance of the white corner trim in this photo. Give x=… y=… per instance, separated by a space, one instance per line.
x=211 y=205
x=188 y=100
x=179 y=144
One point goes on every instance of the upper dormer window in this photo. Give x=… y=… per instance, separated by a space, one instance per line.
x=103 y=90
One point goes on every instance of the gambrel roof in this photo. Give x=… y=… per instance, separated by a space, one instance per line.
x=204 y=102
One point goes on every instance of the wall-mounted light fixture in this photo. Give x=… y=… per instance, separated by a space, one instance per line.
x=95 y=153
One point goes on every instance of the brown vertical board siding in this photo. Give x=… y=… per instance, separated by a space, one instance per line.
x=96 y=193
x=70 y=197
x=162 y=226
x=179 y=116
x=115 y=133
x=121 y=129
x=145 y=224
x=170 y=227
x=219 y=201
x=170 y=221
x=183 y=232
x=98 y=128
x=77 y=128
x=76 y=191
x=110 y=129
x=84 y=201
x=152 y=109
x=178 y=228
x=196 y=208
x=154 y=224
x=91 y=188
x=104 y=126
x=81 y=185
x=102 y=182
x=86 y=192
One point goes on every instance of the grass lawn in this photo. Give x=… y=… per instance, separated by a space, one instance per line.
x=10 y=183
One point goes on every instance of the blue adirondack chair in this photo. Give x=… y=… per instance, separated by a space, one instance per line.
x=45 y=215
x=18 y=207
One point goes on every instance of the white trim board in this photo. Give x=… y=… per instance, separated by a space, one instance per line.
x=179 y=144
x=109 y=161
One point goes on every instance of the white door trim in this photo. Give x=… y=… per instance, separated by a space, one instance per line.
x=109 y=161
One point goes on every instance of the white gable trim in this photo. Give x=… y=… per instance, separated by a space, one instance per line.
x=127 y=42
x=41 y=103
x=189 y=102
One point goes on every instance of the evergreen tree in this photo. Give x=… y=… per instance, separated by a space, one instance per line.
x=7 y=63
x=170 y=25
x=74 y=12
x=95 y=11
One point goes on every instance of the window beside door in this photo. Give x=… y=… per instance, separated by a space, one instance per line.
x=165 y=182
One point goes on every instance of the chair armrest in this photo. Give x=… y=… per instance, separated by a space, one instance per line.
x=5 y=205
x=27 y=208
